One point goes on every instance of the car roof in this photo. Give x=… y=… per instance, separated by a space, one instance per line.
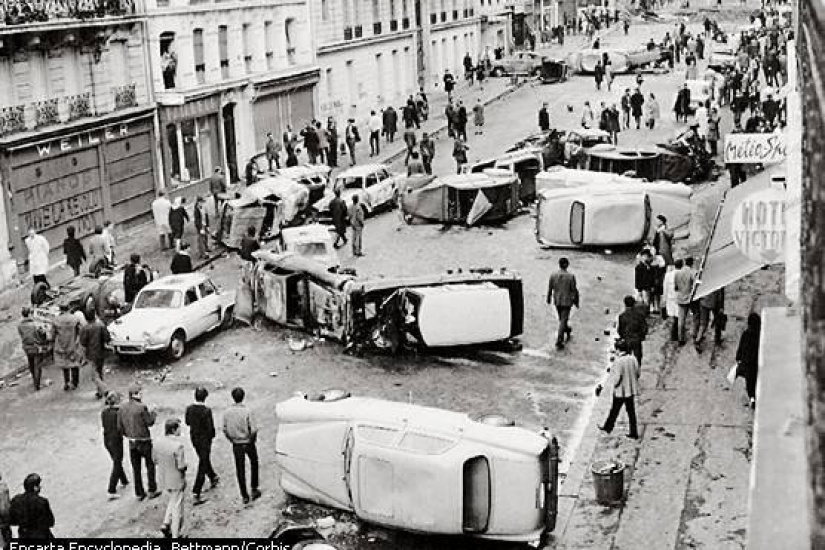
x=362 y=170
x=312 y=231
x=181 y=281
x=303 y=170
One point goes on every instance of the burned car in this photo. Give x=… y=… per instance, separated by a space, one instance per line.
x=563 y=146
x=417 y=468
x=524 y=162
x=469 y=199
x=376 y=186
x=315 y=177
x=313 y=240
x=383 y=314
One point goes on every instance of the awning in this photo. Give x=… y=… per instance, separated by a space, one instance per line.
x=724 y=263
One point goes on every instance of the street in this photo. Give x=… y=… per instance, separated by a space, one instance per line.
x=58 y=434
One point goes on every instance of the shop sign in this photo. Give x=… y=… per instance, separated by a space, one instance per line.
x=759 y=226
x=82 y=139
x=755 y=148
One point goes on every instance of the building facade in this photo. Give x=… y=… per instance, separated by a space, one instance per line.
x=375 y=53
x=76 y=121
x=225 y=74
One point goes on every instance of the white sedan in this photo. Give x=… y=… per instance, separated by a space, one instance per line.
x=169 y=313
x=374 y=184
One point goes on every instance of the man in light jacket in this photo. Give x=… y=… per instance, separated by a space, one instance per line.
x=38 y=248
x=241 y=430
x=683 y=280
x=169 y=457
x=625 y=383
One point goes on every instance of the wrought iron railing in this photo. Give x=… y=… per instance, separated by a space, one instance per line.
x=80 y=105
x=21 y=12
x=46 y=112
x=125 y=96
x=12 y=119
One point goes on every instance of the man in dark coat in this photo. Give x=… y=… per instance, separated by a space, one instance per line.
x=73 y=249
x=134 y=420
x=682 y=107
x=544 y=118
x=249 y=244
x=636 y=102
x=35 y=344
x=93 y=337
x=310 y=142
x=202 y=227
x=449 y=83
x=564 y=294
x=332 y=138
x=135 y=278
x=113 y=441
x=747 y=356
x=461 y=121
x=598 y=74
x=273 y=151
x=427 y=149
x=31 y=512
x=626 y=108
x=178 y=216
x=338 y=210
x=181 y=261
x=202 y=432
x=390 y=123
x=632 y=327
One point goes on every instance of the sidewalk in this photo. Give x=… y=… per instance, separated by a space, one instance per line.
x=686 y=481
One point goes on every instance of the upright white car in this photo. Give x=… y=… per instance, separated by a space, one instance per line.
x=171 y=312
x=374 y=184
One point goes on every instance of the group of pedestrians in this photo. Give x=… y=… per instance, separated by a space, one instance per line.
x=343 y=216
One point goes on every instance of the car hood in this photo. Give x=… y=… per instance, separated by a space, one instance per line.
x=138 y=321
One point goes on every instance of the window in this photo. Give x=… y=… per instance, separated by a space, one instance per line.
x=247 y=52
x=197 y=48
x=424 y=443
x=158 y=299
x=377 y=435
x=207 y=289
x=191 y=296
x=329 y=83
x=223 y=50
x=325 y=10
x=476 y=495
x=405 y=15
x=191 y=150
x=269 y=47
x=289 y=31
x=168 y=59
x=577 y=223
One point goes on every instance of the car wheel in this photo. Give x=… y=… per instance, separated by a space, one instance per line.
x=177 y=345
x=39 y=294
x=228 y=318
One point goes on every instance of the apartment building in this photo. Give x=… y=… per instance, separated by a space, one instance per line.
x=76 y=122
x=225 y=73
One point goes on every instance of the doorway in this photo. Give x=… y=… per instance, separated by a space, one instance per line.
x=230 y=142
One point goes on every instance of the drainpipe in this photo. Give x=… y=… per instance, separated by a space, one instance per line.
x=149 y=74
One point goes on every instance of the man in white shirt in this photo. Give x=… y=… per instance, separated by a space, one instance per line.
x=375 y=124
x=161 y=207
x=38 y=248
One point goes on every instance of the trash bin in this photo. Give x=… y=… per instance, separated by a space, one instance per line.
x=608 y=481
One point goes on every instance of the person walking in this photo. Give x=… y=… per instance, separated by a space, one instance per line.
x=356 y=221
x=671 y=309
x=683 y=282
x=217 y=188
x=410 y=141
x=480 y=74
x=351 y=137
x=632 y=327
x=449 y=83
x=178 y=216
x=35 y=343
x=564 y=294
x=202 y=227
x=338 y=211
x=390 y=123
x=461 y=121
x=450 y=115
x=241 y=430
x=67 y=354
x=625 y=102
x=182 y=261
x=310 y=142
x=469 y=72
x=113 y=442
x=5 y=519
x=332 y=138
x=38 y=248
x=712 y=304
x=73 y=249
x=31 y=512
x=644 y=277
x=427 y=149
x=598 y=74
x=637 y=101
x=416 y=166
x=652 y=112
x=202 y=433
x=713 y=134
x=544 y=118
x=747 y=356
x=625 y=383
x=249 y=245
x=459 y=153
x=613 y=124
x=478 y=117
x=134 y=420
x=588 y=119
x=169 y=457
x=374 y=124
x=273 y=151
x=682 y=106
x=135 y=277
x=94 y=336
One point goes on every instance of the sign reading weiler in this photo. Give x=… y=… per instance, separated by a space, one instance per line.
x=758 y=226
x=755 y=148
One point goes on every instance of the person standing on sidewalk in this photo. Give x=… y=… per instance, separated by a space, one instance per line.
x=459 y=153
x=632 y=327
x=169 y=457
x=644 y=278
x=671 y=309
x=637 y=101
x=653 y=112
x=544 y=118
x=35 y=342
x=241 y=430
x=663 y=240
x=356 y=221
x=461 y=121
x=351 y=137
x=598 y=74
x=5 y=520
x=217 y=187
x=747 y=356
x=67 y=354
x=626 y=108
x=323 y=143
x=409 y=141
x=182 y=261
x=374 y=124
x=73 y=249
x=93 y=337
x=449 y=84
x=178 y=216
x=338 y=211
x=134 y=420
x=713 y=132
x=273 y=151
x=390 y=123
x=625 y=383
x=332 y=138
x=683 y=281
x=427 y=148
x=469 y=73
x=564 y=294
x=480 y=74
x=30 y=512
x=113 y=441
x=202 y=432
x=478 y=117
x=38 y=247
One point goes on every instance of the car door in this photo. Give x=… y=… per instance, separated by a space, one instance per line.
x=372 y=192
x=191 y=314
x=210 y=304
x=386 y=185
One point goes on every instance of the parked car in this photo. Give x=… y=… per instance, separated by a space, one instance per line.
x=722 y=56
x=519 y=63
x=374 y=184
x=578 y=141
x=525 y=163
x=314 y=176
x=268 y=205
x=417 y=468
x=309 y=241
x=387 y=314
x=171 y=312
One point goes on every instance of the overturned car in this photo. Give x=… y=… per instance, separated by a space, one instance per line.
x=417 y=468
x=383 y=314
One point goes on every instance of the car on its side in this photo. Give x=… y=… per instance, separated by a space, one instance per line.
x=171 y=312
x=314 y=176
x=376 y=186
x=418 y=468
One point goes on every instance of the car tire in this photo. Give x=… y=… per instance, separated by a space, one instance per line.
x=228 y=318
x=177 y=345
x=39 y=294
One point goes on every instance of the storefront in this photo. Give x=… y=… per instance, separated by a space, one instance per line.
x=282 y=101
x=102 y=170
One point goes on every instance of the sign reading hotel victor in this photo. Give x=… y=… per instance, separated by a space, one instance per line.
x=755 y=148
x=758 y=226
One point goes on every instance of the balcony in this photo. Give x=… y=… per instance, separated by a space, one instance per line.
x=23 y=12
x=79 y=106
x=376 y=27
x=347 y=33
x=359 y=32
x=125 y=96
x=46 y=112
x=12 y=119
x=393 y=25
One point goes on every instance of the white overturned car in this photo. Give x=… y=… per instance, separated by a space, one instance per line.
x=169 y=313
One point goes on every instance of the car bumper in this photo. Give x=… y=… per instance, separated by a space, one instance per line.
x=135 y=348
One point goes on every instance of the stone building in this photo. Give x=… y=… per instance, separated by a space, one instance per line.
x=224 y=75
x=76 y=121
x=375 y=53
